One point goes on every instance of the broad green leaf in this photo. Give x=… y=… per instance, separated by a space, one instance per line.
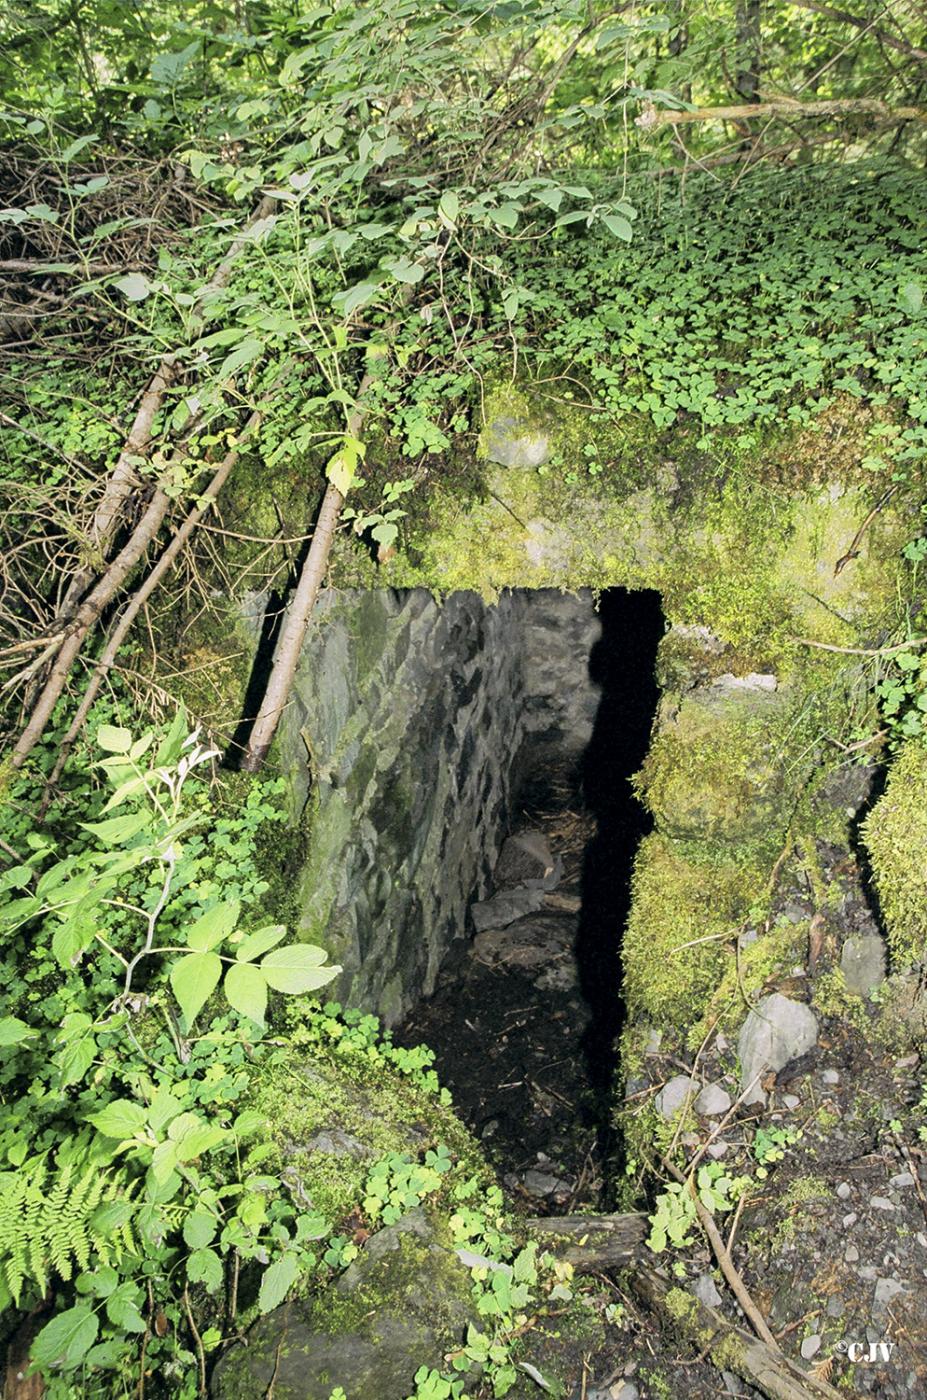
x=298 y=968
x=354 y=298
x=619 y=226
x=172 y=743
x=118 y=829
x=134 y=286
x=506 y=216
x=404 y=270
x=120 y=1119
x=122 y=1308
x=244 y=354
x=164 y=1106
x=210 y=928
x=449 y=207
x=204 y=1266
x=261 y=941
x=64 y=1341
x=13 y=1031
x=277 y=1281
x=193 y=980
x=246 y=989
x=199 y=1229
x=73 y=1062
x=192 y=1135
x=114 y=740
x=911 y=297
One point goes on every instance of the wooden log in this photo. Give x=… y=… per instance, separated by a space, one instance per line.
x=591 y=1242
x=726 y=1345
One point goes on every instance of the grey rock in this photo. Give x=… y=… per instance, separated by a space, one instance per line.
x=729 y=684
x=851 y=1254
x=810 y=1347
x=844 y=1191
x=513 y=442
x=541 y=1184
x=776 y=1031
x=654 y=1041
x=718 y=1149
x=339 y=1144
x=850 y=1220
x=902 y=1179
x=791 y=1101
x=676 y=1092
x=863 y=963
x=706 y=1292
x=881 y=1203
x=713 y=1102
x=836 y=1306
x=503 y=909
x=526 y=859
x=403 y=1302
x=830 y=1076
x=885 y=1290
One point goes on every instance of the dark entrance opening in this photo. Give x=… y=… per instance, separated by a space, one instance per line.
x=526 y=1013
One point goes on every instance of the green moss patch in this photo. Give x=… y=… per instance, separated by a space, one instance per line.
x=895 y=834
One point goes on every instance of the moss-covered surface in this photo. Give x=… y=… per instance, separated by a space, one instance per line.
x=895 y=834
x=333 y=1112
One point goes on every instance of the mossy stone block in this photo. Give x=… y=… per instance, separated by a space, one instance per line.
x=402 y=1304
x=895 y=833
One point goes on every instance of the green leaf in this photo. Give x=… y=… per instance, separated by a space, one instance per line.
x=911 y=296
x=192 y=1136
x=199 y=1229
x=118 y=829
x=449 y=207
x=404 y=270
x=619 y=226
x=120 y=1119
x=210 y=928
x=114 y=740
x=298 y=968
x=122 y=1308
x=66 y=1339
x=506 y=216
x=242 y=355
x=13 y=1031
x=246 y=989
x=171 y=745
x=134 y=286
x=193 y=980
x=164 y=1107
x=354 y=298
x=259 y=942
x=204 y=1266
x=277 y=1281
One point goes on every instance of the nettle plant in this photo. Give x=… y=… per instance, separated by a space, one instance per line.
x=131 y=1189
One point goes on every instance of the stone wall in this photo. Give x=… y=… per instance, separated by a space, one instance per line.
x=403 y=735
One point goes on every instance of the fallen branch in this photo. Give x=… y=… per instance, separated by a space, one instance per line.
x=725 y=1262
x=883 y=35
x=861 y=651
x=751 y=1359
x=591 y=1242
x=123 y=479
x=653 y=118
x=140 y=598
x=853 y=551
x=299 y=611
